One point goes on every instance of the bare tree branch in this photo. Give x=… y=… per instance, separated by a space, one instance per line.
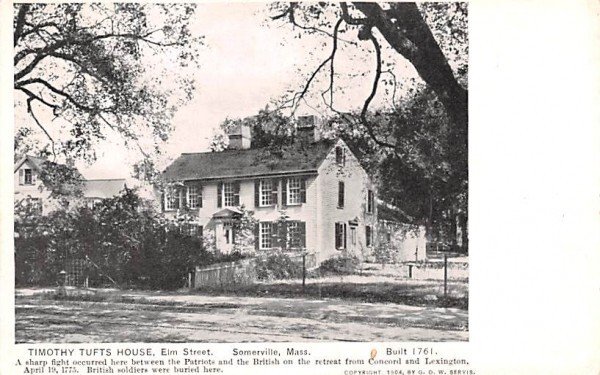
x=300 y=95
x=363 y=113
x=31 y=95
x=291 y=16
x=67 y=96
x=30 y=111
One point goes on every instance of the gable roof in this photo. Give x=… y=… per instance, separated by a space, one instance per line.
x=107 y=188
x=36 y=163
x=249 y=163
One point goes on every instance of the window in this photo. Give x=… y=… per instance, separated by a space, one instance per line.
x=228 y=194
x=340 y=194
x=172 y=199
x=296 y=234
x=370 y=201
x=340 y=235
x=194 y=197
x=353 y=235
x=369 y=235
x=266 y=235
x=26 y=176
x=340 y=157
x=388 y=237
x=294 y=193
x=228 y=234
x=266 y=193
x=91 y=203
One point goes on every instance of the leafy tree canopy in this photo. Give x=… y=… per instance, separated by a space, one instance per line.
x=83 y=71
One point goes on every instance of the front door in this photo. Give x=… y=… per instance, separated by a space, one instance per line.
x=224 y=234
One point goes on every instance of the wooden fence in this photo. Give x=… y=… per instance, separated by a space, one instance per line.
x=221 y=274
x=240 y=272
x=311 y=260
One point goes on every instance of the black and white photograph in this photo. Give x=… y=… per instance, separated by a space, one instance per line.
x=348 y=188
x=241 y=172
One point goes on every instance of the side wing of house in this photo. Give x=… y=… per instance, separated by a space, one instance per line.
x=29 y=189
x=346 y=211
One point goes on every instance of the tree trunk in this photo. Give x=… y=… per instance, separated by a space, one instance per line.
x=407 y=33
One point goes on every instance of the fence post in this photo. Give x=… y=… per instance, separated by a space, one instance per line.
x=303 y=271
x=445 y=274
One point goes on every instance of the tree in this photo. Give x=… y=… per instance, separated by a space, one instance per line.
x=432 y=37
x=270 y=128
x=83 y=71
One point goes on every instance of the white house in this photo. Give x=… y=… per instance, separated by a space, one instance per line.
x=29 y=188
x=321 y=187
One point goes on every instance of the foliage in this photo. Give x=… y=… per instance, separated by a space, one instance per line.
x=423 y=137
x=244 y=232
x=384 y=252
x=421 y=176
x=269 y=128
x=63 y=181
x=87 y=66
x=122 y=240
x=340 y=265
x=277 y=266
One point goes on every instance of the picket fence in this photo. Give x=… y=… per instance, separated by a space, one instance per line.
x=240 y=272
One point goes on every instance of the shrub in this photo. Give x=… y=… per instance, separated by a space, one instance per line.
x=340 y=265
x=122 y=241
x=277 y=266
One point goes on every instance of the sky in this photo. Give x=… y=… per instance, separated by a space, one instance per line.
x=245 y=62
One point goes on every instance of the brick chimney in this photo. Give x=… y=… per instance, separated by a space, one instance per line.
x=240 y=137
x=306 y=129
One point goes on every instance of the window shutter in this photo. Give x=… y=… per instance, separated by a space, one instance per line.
x=257 y=236
x=256 y=193
x=337 y=235
x=303 y=190
x=177 y=197
x=341 y=194
x=163 y=196
x=344 y=234
x=236 y=193
x=183 y=195
x=275 y=187
x=219 y=194
x=21 y=176
x=302 y=230
x=199 y=189
x=284 y=192
x=283 y=234
x=200 y=231
x=33 y=177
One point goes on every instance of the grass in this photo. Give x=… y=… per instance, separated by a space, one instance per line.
x=415 y=294
x=407 y=292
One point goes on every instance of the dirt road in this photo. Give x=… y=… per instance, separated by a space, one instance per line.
x=148 y=317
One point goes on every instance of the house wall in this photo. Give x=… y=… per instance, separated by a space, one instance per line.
x=320 y=212
x=36 y=190
x=356 y=183
x=305 y=212
x=407 y=243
